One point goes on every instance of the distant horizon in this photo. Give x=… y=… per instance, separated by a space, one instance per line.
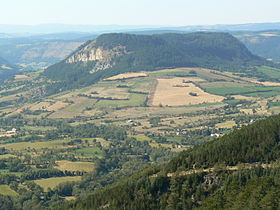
x=140 y=25
x=139 y=12
x=87 y=28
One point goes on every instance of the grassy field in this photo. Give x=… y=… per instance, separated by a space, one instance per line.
x=6 y=156
x=269 y=71
x=89 y=152
x=55 y=181
x=140 y=137
x=64 y=165
x=275 y=109
x=172 y=72
x=232 y=88
x=6 y=190
x=6 y=171
x=38 y=128
x=143 y=85
x=227 y=124
x=133 y=101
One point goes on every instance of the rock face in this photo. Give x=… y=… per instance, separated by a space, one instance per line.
x=104 y=58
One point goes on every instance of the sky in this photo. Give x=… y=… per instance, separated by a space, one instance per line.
x=138 y=12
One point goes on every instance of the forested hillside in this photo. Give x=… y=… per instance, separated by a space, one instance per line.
x=253 y=183
x=111 y=54
x=40 y=51
x=6 y=69
x=265 y=43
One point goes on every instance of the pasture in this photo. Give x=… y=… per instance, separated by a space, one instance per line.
x=6 y=190
x=271 y=72
x=55 y=181
x=234 y=88
x=227 y=124
x=88 y=152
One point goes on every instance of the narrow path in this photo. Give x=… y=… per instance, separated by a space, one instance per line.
x=208 y=170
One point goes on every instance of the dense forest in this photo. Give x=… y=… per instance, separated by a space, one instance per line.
x=219 y=51
x=249 y=185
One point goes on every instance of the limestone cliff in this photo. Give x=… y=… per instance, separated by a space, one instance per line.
x=104 y=58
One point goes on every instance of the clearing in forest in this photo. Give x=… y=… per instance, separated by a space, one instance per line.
x=181 y=92
x=227 y=124
x=6 y=190
x=55 y=181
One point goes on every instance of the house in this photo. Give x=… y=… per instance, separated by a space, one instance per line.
x=13 y=131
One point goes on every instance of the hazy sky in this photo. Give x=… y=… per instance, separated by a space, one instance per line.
x=139 y=12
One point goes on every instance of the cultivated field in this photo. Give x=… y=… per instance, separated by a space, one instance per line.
x=176 y=92
x=65 y=165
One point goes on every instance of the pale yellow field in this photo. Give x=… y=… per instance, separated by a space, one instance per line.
x=127 y=76
x=40 y=106
x=55 y=181
x=275 y=109
x=70 y=198
x=57 y=105
x=35 y=145
x=227 y=124
x=268 y=83
x=64 y=165
x=269 y=34
x=174 y=92
x=247 y=111
x=21 y=77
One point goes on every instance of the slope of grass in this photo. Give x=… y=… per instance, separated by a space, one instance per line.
x=55 y=181
x=6 y=190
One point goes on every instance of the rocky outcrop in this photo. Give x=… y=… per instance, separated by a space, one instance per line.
x=104 y=58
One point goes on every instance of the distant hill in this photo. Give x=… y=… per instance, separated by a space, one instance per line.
x=60 y=28
x=40 y=51
x=211 y=177
x=264 y=43
x=6 y=69
x=111 y=54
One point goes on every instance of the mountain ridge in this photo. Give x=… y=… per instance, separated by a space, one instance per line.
x=119 y=53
